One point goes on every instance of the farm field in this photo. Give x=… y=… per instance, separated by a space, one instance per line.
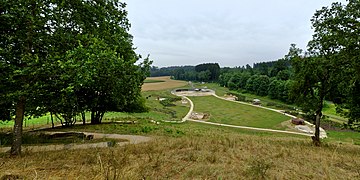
x=160 y=83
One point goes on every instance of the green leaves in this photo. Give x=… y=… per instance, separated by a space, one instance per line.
x=337 y=38
x=68 y=56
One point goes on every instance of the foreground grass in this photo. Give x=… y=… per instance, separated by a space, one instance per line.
x=192 y=151
x=226 y=112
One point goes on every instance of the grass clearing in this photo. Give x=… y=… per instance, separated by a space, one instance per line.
x=226 y=112
x=266 y=101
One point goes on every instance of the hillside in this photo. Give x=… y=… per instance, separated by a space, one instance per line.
x=190 y=150
x=193 y=151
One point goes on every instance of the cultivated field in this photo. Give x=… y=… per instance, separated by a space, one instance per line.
x=151 y=83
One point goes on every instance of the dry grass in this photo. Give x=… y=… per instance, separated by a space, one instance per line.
x=215 y=154
x=167 y=84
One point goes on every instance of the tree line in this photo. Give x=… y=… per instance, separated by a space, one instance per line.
x=264 y=79
x=67 y=58
x=207 y=72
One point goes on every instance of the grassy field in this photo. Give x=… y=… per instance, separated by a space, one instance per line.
x=191 y=151
x=227 y=112
x=344 y=136
x=328 y=110
x=221 y=91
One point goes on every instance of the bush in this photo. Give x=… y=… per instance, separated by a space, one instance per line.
x=238 y=96
x=259 y=168
x=167 y=102
x=137 y=106
x=294 y=113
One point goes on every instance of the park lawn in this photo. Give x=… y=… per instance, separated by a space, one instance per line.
x=266 y=101
x=328 y=110
x=227 y=112
x=344 y=136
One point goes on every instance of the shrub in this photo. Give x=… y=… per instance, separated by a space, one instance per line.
x=259 y=168
x=167 y=102
x=294 y=113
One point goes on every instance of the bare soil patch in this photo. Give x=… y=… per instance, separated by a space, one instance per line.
x=167 y=84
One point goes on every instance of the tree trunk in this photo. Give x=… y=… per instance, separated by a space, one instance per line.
x=83 y=117
x=316 y=138
x=19 y=117
x=96 y=117
x=52 y=120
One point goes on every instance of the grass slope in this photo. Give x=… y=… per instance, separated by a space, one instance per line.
x=191 y=151
x=226 y=112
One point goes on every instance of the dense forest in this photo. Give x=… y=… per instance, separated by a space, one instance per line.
x=208 y=72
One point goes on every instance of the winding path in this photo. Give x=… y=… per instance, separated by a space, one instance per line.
x=187 y=117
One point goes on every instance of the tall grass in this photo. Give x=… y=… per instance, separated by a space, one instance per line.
x=200 y=153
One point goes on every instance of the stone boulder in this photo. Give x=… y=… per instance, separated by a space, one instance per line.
x=298 y=121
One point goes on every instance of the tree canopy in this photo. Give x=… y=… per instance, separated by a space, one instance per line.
x=332 y=65
x=66 y=57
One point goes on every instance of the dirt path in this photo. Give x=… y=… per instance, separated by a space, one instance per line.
x=130 y=139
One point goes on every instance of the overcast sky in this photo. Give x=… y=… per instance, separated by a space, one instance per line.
x=230 y=32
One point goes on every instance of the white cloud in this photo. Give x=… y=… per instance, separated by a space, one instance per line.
x=231 y=32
